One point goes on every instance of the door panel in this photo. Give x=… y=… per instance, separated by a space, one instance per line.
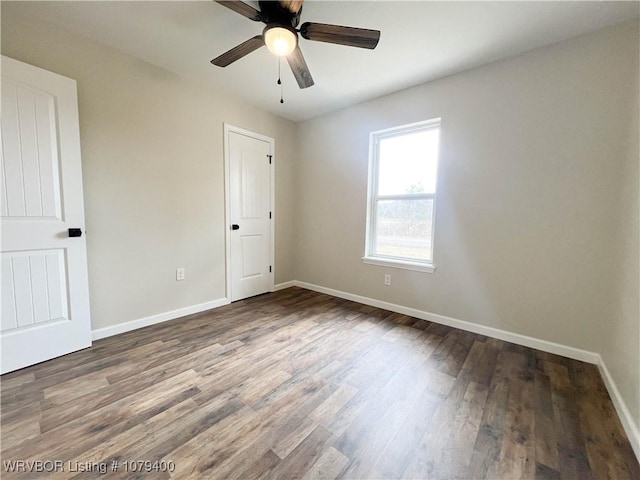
x=249 y=208
x=45 y=298
x=253 y=174
x=30 y=153
x=33 y=288
x=252 y=258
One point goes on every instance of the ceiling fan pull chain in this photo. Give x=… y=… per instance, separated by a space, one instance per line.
x=279 y=80
x=280 y=36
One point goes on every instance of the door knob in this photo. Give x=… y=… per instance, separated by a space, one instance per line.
x=75 y=232
x=235 y=227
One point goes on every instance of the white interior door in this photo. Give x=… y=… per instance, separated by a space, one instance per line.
x=250 y=258
x=45 y=295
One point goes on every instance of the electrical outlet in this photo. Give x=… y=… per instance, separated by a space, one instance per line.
x=180 y=273
x=387 y=279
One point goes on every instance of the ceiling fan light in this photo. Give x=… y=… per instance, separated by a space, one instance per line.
x=280 y=41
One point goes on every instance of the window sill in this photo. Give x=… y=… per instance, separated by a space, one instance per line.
x=405 y=265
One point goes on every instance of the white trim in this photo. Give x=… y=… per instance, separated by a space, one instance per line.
x=524 y=340
x=272 y=199
x=373 y=196
x=282 y=286
x=227 y=213
x=627 y=420
x=393 y=263
x=105 y=332
x=408 y=128
x=228 y=128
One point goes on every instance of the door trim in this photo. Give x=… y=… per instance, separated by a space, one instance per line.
x=228 y=128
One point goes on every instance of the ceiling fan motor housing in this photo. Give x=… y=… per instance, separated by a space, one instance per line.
x=276 y=13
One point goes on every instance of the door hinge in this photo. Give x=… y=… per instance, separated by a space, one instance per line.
x=270 y=158
x=269 y=214
x=269 y=268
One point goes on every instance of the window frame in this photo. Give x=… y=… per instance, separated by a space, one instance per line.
x=373 y=199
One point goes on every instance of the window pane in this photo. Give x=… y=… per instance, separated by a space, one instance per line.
x=404 y=229
x=407 y=163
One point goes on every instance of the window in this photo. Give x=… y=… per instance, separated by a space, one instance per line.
x=402 y=192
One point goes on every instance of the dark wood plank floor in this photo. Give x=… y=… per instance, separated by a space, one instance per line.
x=297 y=384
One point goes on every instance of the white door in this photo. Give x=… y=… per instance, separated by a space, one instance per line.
x=250 y=215
x=45 y=295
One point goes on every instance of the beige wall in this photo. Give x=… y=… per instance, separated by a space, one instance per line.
x=534 y=151
x=621 y=339
x=152 y=159
x=537 y=214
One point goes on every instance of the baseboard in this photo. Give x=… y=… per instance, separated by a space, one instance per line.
x=104 y=332
x=625 y=416
x=282 y=286
x=627 y=420
x=628 y=423
x=524 y=340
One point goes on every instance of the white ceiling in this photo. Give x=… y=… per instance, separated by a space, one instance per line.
x=420 y=41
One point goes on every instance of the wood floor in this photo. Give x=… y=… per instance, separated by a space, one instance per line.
x=297 y=384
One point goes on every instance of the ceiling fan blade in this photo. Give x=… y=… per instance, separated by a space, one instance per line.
x=237 y=52
x=350 y=36
x=242 y=8
x=299 y=68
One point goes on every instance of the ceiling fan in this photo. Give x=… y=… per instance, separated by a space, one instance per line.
x=281 y=35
